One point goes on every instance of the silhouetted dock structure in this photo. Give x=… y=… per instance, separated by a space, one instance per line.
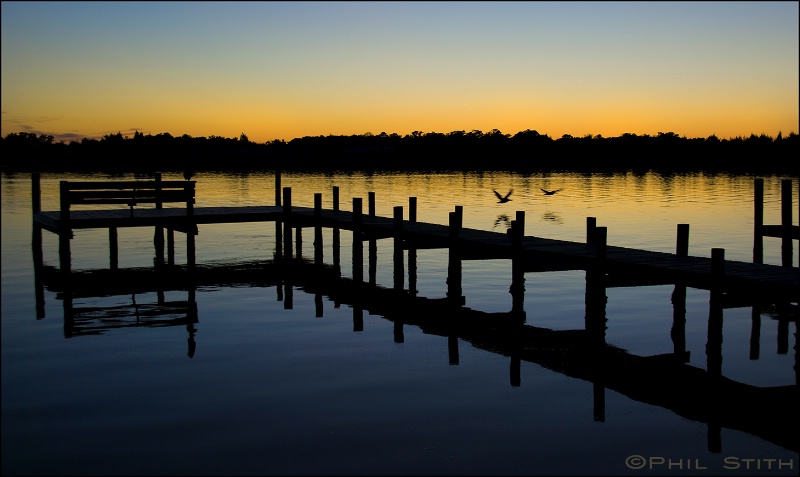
x=757 y=280
x=667 y=380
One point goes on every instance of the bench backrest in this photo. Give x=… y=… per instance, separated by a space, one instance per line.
x=130 y=193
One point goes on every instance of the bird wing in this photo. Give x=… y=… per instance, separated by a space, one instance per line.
x=543 y=190
x=497 y=194
x=509 y=194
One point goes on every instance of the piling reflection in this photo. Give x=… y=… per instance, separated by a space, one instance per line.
x=704 y=395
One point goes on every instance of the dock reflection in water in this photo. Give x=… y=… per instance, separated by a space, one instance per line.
x=702 y=395
x=426 y=362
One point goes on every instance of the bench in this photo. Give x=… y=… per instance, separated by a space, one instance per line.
x=130 y=193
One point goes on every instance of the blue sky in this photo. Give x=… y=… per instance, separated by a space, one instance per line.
x=276 y=70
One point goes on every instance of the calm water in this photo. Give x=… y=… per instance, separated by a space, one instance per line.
x=271 y=389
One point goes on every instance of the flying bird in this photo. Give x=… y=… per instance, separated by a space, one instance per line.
x=549 y=192
x=500 y=198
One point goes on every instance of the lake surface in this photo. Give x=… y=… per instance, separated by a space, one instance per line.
x=272 y=379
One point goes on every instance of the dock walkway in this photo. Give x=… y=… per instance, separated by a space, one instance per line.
x=638 y=266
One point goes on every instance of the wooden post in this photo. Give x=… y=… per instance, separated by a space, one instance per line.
x=318 y=308
x=358 y=250
x=336 y=198
x=64 y=201
x=191 y=230
x=758 y=221
x=357 y=222
x=595 y=317
x=786 y=223
x=373 y=261
x=517 y=288
x=682 y=247
x=373 y=243
x=678 y=330
x=38 y=270
x=358 y=281
x=786 y=203
x=36 y=242
x=287 y=203
x=717 y=264
x=453 y=227
x=600 y=238
x=714 y=349
x=113 y=248
x=277 y=187
x=398 y=248
x=190 y=198
x=65 y=232
x=591 y=224
x=336 y=234
x=371 y=206
x=520 y=218
x=288 y=253
x=454 y=262
x=412 y=251
x=318 y=229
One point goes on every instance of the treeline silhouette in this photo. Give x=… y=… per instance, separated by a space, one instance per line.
x=525 y=151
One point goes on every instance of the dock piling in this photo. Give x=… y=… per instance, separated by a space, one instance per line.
x=454 y=261
x=600 y=245
x=358 y=250
x=682 y=246
x=371 y=204
x=758 y=221
x=678 y=330
x=287 y=203
x=335 y=199
x=398 y=248
x=318 y=229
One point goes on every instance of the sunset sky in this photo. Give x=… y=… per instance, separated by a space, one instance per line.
x=276 y=70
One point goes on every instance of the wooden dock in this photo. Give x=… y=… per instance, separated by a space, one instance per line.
x=702 y=395
x=758 y=281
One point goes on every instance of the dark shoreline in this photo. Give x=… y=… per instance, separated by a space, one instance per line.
x=527 y=152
